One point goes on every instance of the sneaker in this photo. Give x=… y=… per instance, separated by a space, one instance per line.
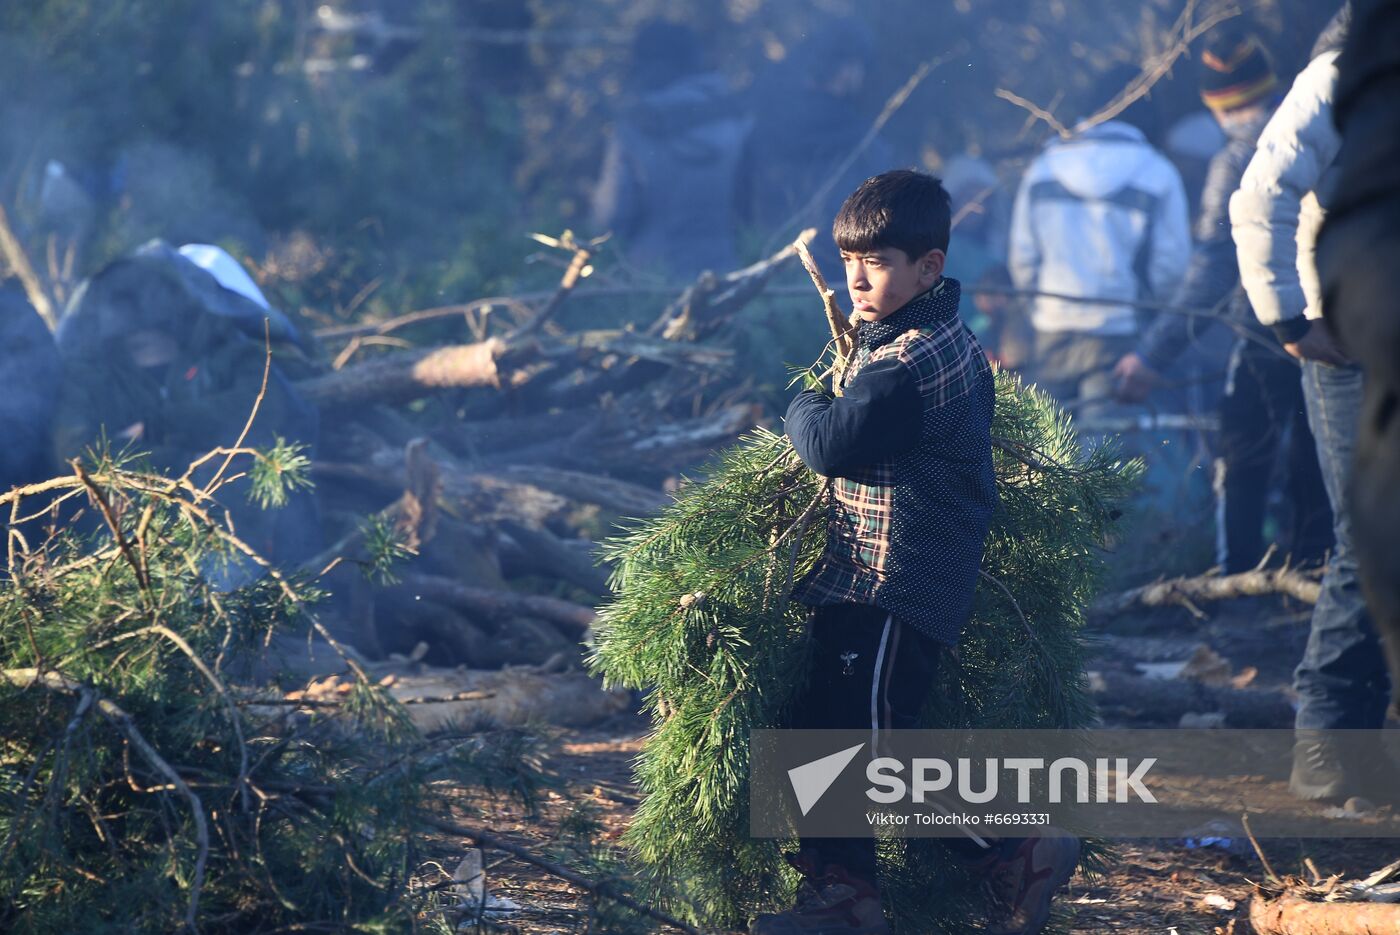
x=836 y=902
x=1318 y=773
x=1024 y=883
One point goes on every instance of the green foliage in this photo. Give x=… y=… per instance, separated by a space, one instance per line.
x=701 y=621
x=384 y=549
x=144 y=786
x=275 y=473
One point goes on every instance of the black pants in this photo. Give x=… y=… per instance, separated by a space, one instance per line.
x=869 y=671
x=1263 y=405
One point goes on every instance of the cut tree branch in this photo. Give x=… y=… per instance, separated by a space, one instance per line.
x=1184 y=592
x=53 y=681
x=396 y=376
x=1292 y=914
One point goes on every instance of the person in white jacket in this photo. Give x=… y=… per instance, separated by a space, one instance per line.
x=1342 y=680
x=1100 y=216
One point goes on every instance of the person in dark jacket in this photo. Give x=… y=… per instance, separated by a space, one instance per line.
x=667 y=186
x=1262 y=407
x=1358 y=258
x=162 y=358
x=30 y=372
x=907 y=445
x=808 y=111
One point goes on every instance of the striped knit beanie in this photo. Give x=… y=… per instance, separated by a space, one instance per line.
x=1236 y=72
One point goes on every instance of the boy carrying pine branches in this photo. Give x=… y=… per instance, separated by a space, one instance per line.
x=907 y=444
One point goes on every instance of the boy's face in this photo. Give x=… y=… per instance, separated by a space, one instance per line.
x=883 y=281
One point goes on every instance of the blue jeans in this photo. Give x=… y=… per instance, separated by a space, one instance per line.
x=1342 y=680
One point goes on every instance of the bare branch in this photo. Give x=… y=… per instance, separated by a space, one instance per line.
x=1036 y=112
x=1211 y=587
x=1185 y=31
x=14 y=254
x=892 y=106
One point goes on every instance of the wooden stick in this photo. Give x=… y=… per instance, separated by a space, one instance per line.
x=572 y=619
x=842 y=332
x=1268 y=868
x=14 y=254
x=892 y=106
x=571 y=276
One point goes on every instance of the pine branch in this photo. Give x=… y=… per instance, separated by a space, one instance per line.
x=54 y=681
x=602 y=888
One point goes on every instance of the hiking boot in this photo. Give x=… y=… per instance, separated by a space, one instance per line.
x=836 y=902
x=1318 y=773
x=1024 y=882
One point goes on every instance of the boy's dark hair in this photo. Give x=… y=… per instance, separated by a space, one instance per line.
x=904 y=209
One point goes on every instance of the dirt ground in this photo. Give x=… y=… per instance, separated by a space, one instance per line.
x=1153 y=886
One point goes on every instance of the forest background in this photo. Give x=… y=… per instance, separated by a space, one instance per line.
x=400 y=164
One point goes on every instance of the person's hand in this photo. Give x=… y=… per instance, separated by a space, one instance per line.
x=1133 y=379
x=1319 y=345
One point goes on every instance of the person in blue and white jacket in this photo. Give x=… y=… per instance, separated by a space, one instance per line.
x=1099 y=216
x=1341 y=681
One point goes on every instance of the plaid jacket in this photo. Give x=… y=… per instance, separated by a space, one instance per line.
x=909 y=449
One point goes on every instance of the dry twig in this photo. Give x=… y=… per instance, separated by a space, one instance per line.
x=1185 y=31
x=14 y=254
x=892 y=106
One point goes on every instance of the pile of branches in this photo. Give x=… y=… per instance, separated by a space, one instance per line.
x=702 y=622
x=501 y=459
x=145 y=784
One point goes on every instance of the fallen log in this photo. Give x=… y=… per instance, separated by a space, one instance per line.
x=705 y=432
x=494 y=439
x=409 y=373
x=480 y=700
x=1187 y=592
x=617 y=496
x=1164 y=701
x=494 y=363
x=573 y=619
x=1292 y=914
x=640 y=451
x=484 y=497
x=547 y=555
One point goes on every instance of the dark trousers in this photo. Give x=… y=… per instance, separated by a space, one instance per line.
x=869 y=671
x=1262 y=407
x=1077 y=368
